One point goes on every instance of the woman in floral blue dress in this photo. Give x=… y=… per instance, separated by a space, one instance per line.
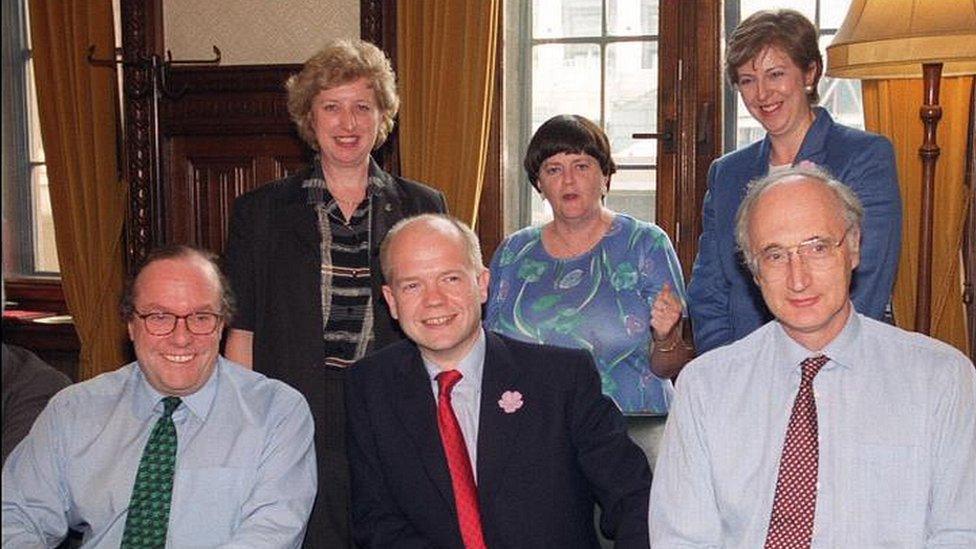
x=592 y=278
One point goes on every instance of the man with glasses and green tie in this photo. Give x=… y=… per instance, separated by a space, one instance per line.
x=823 y=428
x=181 y=448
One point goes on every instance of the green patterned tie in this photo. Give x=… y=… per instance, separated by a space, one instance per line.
x=145 y=525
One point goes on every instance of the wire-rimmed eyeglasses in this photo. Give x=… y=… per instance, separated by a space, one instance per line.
x=816 y=253
x=199 y=323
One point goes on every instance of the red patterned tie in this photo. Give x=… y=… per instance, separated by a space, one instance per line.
x=462 y=477
x=791 y=523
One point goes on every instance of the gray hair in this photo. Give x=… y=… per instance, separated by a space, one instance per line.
x=472 y=247
x=851 y=210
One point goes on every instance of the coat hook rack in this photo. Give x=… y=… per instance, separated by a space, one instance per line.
x=157 y=67
x=151 y=76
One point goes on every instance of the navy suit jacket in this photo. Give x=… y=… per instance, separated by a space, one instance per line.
x=540 y=469
x=723 y=300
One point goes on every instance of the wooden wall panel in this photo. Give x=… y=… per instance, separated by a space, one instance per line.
x=225 y=133
x=209 y=171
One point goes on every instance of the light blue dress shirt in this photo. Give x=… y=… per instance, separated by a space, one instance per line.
x=245 y=465
x=466 y=395
x=897 y=424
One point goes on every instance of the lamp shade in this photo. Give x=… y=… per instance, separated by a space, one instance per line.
x=892 y=38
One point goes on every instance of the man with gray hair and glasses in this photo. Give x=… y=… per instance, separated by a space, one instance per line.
x=181 y=448
x=823 y=428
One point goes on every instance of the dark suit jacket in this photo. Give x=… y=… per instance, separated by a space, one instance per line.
x=28 y=383
x=273 y=261
x=540 y=470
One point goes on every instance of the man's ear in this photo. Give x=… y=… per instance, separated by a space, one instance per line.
x=855 y=250
x=483 y=281
x=390 y=301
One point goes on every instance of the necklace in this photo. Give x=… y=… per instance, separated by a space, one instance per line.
x=345 y=202
x=349 y=202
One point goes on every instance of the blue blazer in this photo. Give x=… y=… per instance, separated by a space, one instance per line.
x=724 y=302
x=540 y=470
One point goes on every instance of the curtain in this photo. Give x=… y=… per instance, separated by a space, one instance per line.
x=446 y=68
x=891 y=108
x=77 y=105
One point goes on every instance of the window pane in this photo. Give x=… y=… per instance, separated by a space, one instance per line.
x=633 y=192
x=841 y=96
x=632 y=17
x=565 y=80
x=807 y=7
x=832 y=13
x=45 y=249
x=631 y=97
x=34 y=142
x=566 y=18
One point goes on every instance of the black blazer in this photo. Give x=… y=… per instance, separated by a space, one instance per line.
x=540 y=470
x=273 y=261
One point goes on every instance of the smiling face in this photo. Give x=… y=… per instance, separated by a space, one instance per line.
x=573 y=184
x=434 y=291
x=772 y=88
x=811 y=304
x=346 y=120
x=180 y=363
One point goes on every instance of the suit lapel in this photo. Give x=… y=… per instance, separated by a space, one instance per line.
x=416 y=408
x=497 y=430
x=301 y=223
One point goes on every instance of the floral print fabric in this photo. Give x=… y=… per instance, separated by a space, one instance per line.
x=599 y=301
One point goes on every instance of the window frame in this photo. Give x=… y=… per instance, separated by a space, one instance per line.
x=30 y=288
x=527 y=42
x=20 y=216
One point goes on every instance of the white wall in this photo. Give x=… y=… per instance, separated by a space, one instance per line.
x=254 y=32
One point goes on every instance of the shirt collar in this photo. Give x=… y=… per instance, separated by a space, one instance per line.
x=147 y=400
x=471 y=366
x=840 y=350
x=317 y=192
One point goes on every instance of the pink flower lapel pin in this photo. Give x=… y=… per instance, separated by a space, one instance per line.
x=511 y=401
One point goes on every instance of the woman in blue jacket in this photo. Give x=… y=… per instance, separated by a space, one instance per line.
x=774 y=61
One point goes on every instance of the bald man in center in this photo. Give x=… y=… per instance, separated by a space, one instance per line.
x=460 y=437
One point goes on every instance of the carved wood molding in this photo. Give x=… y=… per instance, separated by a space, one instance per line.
x=228 y=100
x=377 y=24
x=141 y=38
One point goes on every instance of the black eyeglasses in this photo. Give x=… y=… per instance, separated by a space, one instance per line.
x=161 y=324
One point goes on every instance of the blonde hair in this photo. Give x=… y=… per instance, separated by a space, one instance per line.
x=340 y=62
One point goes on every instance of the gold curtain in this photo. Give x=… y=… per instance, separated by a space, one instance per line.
x=891 y=108
x=78 y=119
x=446 y=68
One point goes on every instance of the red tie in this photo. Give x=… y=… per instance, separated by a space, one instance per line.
x=791 y=523
x=462 y=479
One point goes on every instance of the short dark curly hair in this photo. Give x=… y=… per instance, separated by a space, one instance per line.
x=228 y=305
x=567 y=133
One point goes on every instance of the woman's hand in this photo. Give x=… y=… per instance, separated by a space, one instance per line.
x=665 y=313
